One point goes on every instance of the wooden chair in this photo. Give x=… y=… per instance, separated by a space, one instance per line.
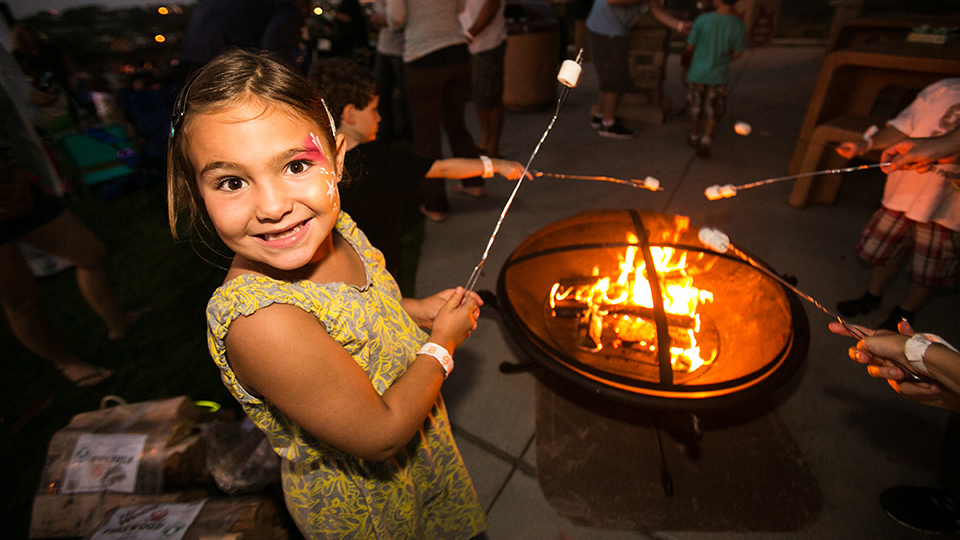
x=819 y=154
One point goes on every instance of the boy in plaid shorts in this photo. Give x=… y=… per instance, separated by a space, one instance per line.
x=920 y=215
x=717 y=38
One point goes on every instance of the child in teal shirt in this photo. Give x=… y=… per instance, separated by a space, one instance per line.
x=717 y=38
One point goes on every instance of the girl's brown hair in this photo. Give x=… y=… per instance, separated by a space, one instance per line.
x=230 y=78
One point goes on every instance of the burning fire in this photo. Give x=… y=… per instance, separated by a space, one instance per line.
x=624 y=305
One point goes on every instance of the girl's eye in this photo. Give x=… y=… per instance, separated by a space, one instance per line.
x=298 y=167
x=231 y=184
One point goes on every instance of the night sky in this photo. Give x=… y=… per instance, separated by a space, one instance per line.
x=23 y=8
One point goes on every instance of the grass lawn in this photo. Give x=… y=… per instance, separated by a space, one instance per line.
x=163 y=356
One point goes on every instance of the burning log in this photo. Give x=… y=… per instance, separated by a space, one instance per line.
x=571 y=307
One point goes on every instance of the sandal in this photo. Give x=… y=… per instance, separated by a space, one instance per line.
x=93 y=379
x=92 y=374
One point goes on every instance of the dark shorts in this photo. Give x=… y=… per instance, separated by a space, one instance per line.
x=487 y=77
x=46 y=208
x=706 y=100
x=934 y=249
x=610 y=59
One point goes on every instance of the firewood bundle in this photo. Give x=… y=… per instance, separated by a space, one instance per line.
x=170 y=468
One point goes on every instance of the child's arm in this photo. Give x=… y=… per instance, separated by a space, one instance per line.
x=458 y=168
x=283 y=355
x=887 y=136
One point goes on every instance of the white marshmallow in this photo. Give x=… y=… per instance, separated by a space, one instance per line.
x=569 y=73
x=714 y=239
x=717 y=191
x=742 y=128
x=651 y=183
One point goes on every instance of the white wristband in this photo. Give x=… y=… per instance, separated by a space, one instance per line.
x=916 y=348
x=441 y=354
x=868 y=137
x=487 y=167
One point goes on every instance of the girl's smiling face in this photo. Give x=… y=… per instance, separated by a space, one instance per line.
x=268 y=184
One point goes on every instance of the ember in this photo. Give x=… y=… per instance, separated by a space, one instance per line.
x=624 y=307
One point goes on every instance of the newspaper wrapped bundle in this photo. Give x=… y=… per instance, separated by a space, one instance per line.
x=239 y=518
x=123 y=455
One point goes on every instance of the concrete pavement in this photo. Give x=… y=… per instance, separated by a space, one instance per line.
x=856 y=435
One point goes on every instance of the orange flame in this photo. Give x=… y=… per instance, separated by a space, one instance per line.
x=631 y=288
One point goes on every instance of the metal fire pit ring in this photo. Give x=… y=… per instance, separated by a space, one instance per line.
x=523 y=287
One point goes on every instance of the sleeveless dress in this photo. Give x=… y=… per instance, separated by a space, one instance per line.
x=424 y=492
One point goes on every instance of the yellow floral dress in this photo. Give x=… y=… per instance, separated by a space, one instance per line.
x=424 y=492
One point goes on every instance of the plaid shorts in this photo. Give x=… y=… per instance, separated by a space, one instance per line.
x=889 y=237
x=710 y=100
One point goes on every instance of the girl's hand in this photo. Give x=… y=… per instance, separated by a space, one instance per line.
x=511 y=170
x=423 y=311
x=456 y=319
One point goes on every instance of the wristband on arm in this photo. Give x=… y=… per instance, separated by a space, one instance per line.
x=487 y=167
x=441 y=354
x=915 y=349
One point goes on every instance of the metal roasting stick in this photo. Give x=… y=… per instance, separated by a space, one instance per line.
x=852 y=328
x=814 y=173
x=632 y=182
x=717 y=192
x=472 y=282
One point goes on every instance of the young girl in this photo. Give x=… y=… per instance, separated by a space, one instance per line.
x=308 y=329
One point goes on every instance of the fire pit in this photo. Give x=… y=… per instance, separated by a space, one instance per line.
x=630 y=305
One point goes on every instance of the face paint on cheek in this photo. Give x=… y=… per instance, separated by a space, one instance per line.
x=333 y=192
x=315 y=153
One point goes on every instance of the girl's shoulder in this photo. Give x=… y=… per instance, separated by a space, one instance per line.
x=246 y=294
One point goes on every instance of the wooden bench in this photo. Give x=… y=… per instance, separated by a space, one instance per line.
x=845 y=98
x=820 y=154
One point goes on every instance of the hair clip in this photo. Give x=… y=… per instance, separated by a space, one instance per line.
x=333 y=125
x=180 y=105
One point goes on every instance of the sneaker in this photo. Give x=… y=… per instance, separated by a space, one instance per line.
x=596 y=122
x=616 y=131
x=858 y=306
x=693 y=141
x=893 y=320
x=929 y=510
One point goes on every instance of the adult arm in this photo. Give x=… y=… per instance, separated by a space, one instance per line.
x=883 y=354
x=666 y=18
x=396 y=14
x=487 y=13
x=285 y=356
